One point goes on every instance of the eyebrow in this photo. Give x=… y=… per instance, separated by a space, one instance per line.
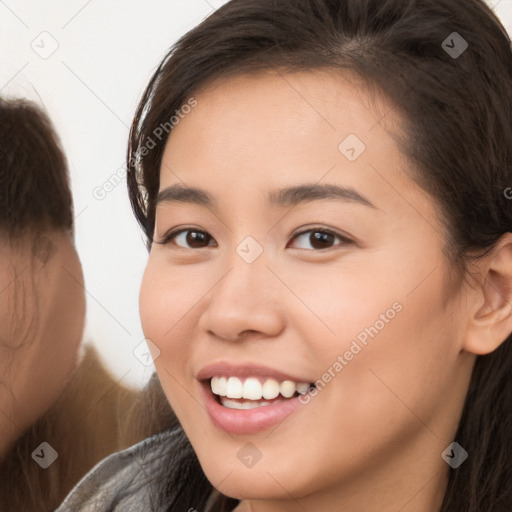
x=290 y=196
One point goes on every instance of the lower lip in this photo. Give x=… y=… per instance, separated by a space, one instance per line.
x=247 y=421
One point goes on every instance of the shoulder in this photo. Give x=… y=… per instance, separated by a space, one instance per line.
x=127 y=480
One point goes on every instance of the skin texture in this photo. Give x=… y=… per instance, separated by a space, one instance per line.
x=42 y=312
x=372 y=438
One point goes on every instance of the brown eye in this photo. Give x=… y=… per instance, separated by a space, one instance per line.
x=318 y=239
x=190 y=239
x=197 y=239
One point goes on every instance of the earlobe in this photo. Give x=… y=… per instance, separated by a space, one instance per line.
x=490 y=322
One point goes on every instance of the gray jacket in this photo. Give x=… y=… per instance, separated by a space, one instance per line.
x=125 y=481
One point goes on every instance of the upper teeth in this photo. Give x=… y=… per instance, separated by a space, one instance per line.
x=253 y=389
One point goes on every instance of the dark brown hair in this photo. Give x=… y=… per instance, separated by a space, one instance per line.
x=89 y=420
x=456 y=131
x=34 y=181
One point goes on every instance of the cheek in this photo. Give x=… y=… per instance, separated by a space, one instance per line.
x=387 y=343
x=66 y=319
x=166 y=305
x=398 y=350
x=165 y=296
x=163 y=304
x=18 y=319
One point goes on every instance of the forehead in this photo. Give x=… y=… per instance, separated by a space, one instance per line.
x=286 y=108
x=273 y=129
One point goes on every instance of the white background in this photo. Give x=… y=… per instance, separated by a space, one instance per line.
x=104 y=53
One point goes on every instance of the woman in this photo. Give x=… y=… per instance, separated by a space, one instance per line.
x=329 y=279
x=61 y=411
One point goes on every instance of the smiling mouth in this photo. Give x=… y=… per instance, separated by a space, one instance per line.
x=253 y=392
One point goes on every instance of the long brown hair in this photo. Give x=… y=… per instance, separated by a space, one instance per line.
x=456 y=112
x=87 y=423
x=89 y=420
x=34 y=180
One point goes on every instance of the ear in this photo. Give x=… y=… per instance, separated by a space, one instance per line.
x=490 y=322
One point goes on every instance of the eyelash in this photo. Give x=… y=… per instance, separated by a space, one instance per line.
x=173 y=234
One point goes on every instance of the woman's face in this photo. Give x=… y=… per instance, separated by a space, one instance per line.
x=308 y=255
x=42 y=311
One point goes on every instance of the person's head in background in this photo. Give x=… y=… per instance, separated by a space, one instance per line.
x=49 y=390
x=277 y=87
x=42 y=300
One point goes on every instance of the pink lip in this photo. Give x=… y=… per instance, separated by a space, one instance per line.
x=224 y=369
x=247 y=421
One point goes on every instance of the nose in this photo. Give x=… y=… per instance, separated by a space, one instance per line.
x=246 y=301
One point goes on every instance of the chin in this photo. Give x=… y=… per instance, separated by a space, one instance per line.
x=249 y=488
x=264 y=481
